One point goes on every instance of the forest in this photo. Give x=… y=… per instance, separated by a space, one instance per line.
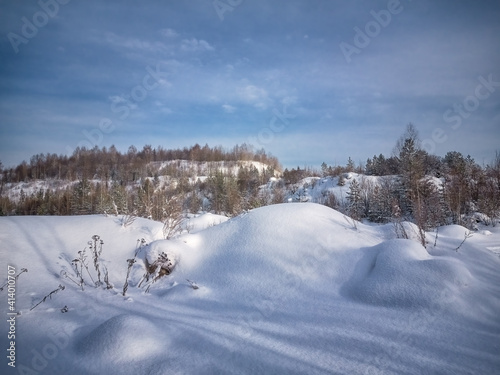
x=165 y=184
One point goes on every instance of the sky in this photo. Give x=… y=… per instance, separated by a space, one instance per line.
x=310 y=81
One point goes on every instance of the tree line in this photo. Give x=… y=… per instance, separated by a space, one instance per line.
x=152 y=183
x=425 y=189
x=155 y=183
x=109 y=163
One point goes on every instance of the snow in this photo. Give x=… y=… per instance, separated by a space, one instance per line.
x=401 y=273
x=453 y=231
x=201 y=170
x=199 y=222
x=314 y=189
x=13 y=190
x=286 y=289
x=196 y=170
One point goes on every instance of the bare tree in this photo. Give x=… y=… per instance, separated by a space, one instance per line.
x=172 y=217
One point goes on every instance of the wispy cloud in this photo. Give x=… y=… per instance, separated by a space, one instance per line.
x=195 y=45
x=223 y=80
x=253 y=95
x=228 y=108
x=169 y=33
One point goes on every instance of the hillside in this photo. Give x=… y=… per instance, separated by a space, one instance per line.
x=166 y=173
x=291 y=288
x=167 y=185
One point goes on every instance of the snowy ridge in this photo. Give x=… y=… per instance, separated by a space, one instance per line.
x=195 y=170
x=207 y=167
x=315 y=189
x=288 y=289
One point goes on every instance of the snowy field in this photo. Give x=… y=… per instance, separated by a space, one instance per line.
x=286 y=289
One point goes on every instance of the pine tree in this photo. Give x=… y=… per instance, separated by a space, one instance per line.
x=103 y=199
x=369 y=169
x=355 y=206
x=324 y=169
x=232 y=195
x=411 y=169
x=215 y=185
x=81 y=198
x=376 y=208
x=350 y=165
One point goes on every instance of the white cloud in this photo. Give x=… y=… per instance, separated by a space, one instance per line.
x=168 y=33
x=256 y=96
x=195 y=45
x=134 y=43
x=228 y=108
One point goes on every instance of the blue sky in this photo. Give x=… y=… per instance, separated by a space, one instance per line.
x=310 y=81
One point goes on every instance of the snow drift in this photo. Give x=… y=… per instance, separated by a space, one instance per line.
x=401 y=273
x=286 y=289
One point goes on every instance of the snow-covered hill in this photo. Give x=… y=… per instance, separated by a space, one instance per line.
x=167 y=173
x=284 y=289
x=316 y=189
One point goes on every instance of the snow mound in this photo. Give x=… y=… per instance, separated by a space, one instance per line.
x=122 y=339
x=400 y=273
x=271 y=249
x=453 y=231
x=201 y=222
x=285 y=289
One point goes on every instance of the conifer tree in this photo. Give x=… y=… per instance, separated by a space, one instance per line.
x=81 y=198
x=350 y=165
x=355 y=205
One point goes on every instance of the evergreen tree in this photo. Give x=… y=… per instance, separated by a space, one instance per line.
x=411 y=168
x=215 y=185
x=81 y=198
x=232 y=204
x=102 y=199
x=355 y=206
x=381 y=201
x=350 y=165
x=324 y=169
x=369 y=168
